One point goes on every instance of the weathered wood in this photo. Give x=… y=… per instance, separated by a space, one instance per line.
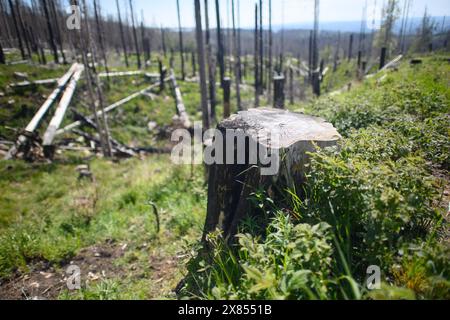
x=383 y=58
x=60 y=112
x=136 y=45
x=350 y=47
x=237 y=58
x=181 y=109
x=226 y=97
x=181 y=44
x=24 y=84
x=289 y=135
x=32 y=126
x=122 y=34
x=256 y=58
x=202 y=66
x=291 y=85
x=2 y=55
x=108 y=109
x=278 y=95
x=120 y=74
x=220 y=46
x=162 y=75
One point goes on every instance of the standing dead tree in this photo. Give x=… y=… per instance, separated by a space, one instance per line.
x=237 y=62
x=122 y=35
x=270 y=65
x=2 y=55
x=261 y=48
x=315 y=47
x=220 y=45
x=94 y=87
x=256 y=59
x=50 y=30
x=136 y=44
x=202 y=65
x=180 y=36
x=100 y=37
x=211 y=64
x=59 y=37
x=16 y=27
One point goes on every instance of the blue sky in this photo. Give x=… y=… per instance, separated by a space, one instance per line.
x=163 y=12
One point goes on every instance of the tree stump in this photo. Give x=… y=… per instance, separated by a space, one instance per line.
x=289 y=135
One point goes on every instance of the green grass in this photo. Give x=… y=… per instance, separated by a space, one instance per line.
x=375 y=200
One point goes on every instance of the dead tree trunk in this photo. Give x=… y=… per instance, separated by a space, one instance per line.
x=60 y=112
x=315 y=58
x=287 y=137
x=122 y=35
x=24 y=29
x=94 y=84
x=291 y=85
x=226 y=97
x=237 y=71
x=350 y=48
x=261 y=48
x=270 y=66
x=202 y=66
x=220 y=49
x=2 y=55
x=136 y=44
x=59 y=37
x=100 y=38
x=16 y=27
x=50 y=31
x=211 y=65
x=256 y=58
x=180 y=35
x=181 y=109
x=163 y=42
x=194 y=64
x=383 y=57
x=279 y=97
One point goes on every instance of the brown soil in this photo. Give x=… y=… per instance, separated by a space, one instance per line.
x=45 y=282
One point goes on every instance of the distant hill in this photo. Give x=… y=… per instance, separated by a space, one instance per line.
x=355 y=26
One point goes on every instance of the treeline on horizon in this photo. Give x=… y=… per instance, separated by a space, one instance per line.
x=35 y=26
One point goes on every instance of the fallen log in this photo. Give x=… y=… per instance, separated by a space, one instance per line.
x=32 y=126
x=24 y=84
x=120 y=74
x=117 y=146
x=110 y=108
x=268 y=149
x=60 y=112
x=181 y=109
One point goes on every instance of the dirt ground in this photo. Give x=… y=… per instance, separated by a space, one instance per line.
x=45 y=282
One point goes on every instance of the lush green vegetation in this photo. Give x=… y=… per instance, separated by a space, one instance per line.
x=379 y=199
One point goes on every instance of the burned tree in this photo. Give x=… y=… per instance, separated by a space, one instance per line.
x=17 y=29
x=100 y=38
x=202 y=65
x=180 y=35
x=211 y=65
x=237 y=67
x=256 y=59
x=136 y=44
x=50 y=30
x=315 y=48
x=220 y=49
x=122 y=34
